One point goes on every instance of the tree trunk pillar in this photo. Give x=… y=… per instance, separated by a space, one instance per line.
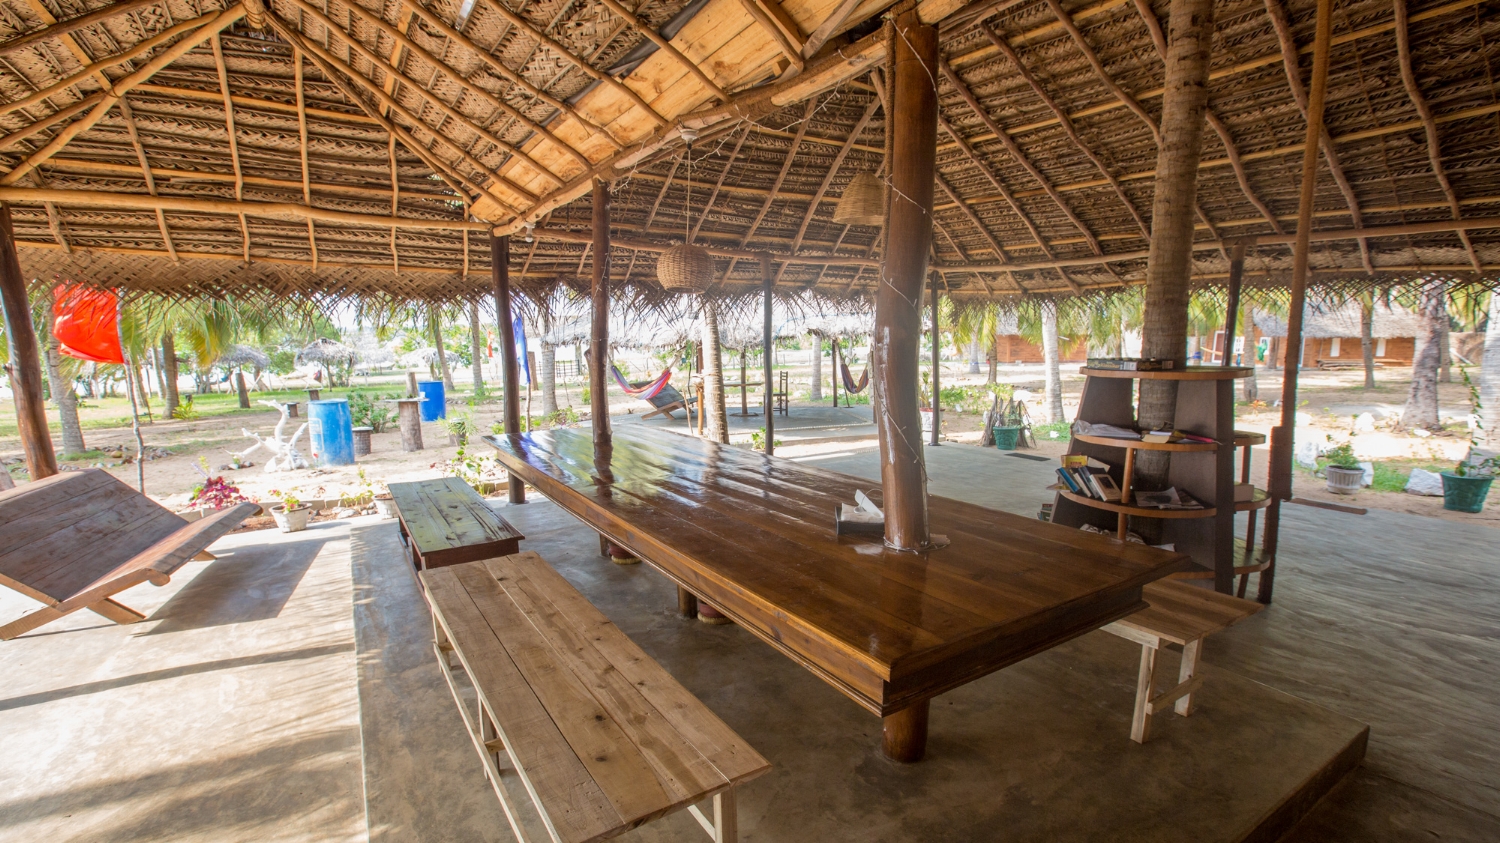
x=476 y=349
x=62 y=390
x=1232 y=309
x=898 y=305
x=500 y=277
x=713 y=375
x=599 y=329
x=25 y=357
x=244 y=394
x=1053 y=362
x=1169 y=264
x=1489 y=375
x=816 y=393
x=409 y=412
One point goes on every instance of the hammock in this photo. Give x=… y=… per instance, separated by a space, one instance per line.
x=849 y=385
x=647 y=391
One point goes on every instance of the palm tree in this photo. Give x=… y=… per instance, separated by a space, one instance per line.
x=1489 y=375
x=1421 y=410
x=61 y=371
x=977 y=326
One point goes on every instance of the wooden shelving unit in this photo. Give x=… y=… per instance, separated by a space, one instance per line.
x=1205 y=405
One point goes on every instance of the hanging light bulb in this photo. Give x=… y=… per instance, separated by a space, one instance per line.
x=685 y=268
x=530 y=228
x=863 y=202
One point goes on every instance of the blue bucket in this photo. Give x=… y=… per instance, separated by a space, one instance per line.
x=332 y=431
x=434 y=400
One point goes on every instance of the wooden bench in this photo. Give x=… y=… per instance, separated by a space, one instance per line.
x=1181 y=615
x=599 y=735
x=74 y=539
x=446 y=522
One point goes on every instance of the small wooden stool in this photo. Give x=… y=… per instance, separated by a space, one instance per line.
x=291 y=408
x=410 y=411
x=1182 y=615
x=314 y=394
x=362 y=441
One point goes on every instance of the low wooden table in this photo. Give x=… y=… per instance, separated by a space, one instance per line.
x=446 y=522
x=753 y=536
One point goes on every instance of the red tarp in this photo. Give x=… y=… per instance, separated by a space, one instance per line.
x=87 y=324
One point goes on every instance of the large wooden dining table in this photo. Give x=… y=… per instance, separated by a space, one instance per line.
x=753 y=536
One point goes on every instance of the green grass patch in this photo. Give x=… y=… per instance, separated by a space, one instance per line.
x=1064 y=431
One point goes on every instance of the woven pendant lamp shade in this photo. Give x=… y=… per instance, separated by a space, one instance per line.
x=685 y=268
x=863 y=202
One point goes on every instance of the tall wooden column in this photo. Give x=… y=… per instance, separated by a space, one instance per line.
x=898 y=306
x=500 y=273
x=1232 y=310
x=767 y=282
x=599 y=335
x=1281 y=435
x=25 y=357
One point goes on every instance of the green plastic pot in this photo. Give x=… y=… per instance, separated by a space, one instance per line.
x=1006 y=437
x=1465 y=494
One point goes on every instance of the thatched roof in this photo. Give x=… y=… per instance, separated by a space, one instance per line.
x=1342 y=321
x=244 y=355
x=375 y=145
x=325 y=350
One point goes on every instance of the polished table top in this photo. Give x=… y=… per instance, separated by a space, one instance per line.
x=754 y=536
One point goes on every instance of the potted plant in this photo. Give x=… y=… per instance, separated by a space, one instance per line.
x=1344 y=473
x=460 y=427
x=291 y=516
x=1468 y=484
x=1009 y=423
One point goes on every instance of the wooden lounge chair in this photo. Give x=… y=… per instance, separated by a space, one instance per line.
x=667 y=400
x=74 y=539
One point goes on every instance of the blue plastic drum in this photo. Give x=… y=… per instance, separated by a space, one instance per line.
x=434 y=400
x=332 y=432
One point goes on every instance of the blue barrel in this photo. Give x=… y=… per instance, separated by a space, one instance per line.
x=434 y=400
x=332 y=430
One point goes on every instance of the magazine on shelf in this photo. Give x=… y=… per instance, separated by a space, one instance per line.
x=1169 y=498
x=1106 y=431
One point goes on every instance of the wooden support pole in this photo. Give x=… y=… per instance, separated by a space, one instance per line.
x=937 y=345
x=599 y=332
x=1232 y=309
x=25 y=357
x=833 y=359
x=500 y=275
x=768 y=347
x=1281 y=436
x=898 y=304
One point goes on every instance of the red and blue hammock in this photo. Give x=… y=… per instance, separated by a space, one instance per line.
x=646 y=391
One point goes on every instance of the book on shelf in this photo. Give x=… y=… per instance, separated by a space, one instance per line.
x=1169 y=498
x=1107 y=488
x=1162 y=437
x=1106 y=431
x=1067 y=478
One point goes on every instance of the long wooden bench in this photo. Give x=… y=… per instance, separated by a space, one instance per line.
x=445 y=522
x=599 y=735
x=1182 y=615
x=74 y=539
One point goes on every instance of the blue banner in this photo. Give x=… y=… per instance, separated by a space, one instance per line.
x=523 y=361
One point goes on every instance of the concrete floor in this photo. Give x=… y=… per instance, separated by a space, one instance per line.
x=270 y=691
x=802 y=426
